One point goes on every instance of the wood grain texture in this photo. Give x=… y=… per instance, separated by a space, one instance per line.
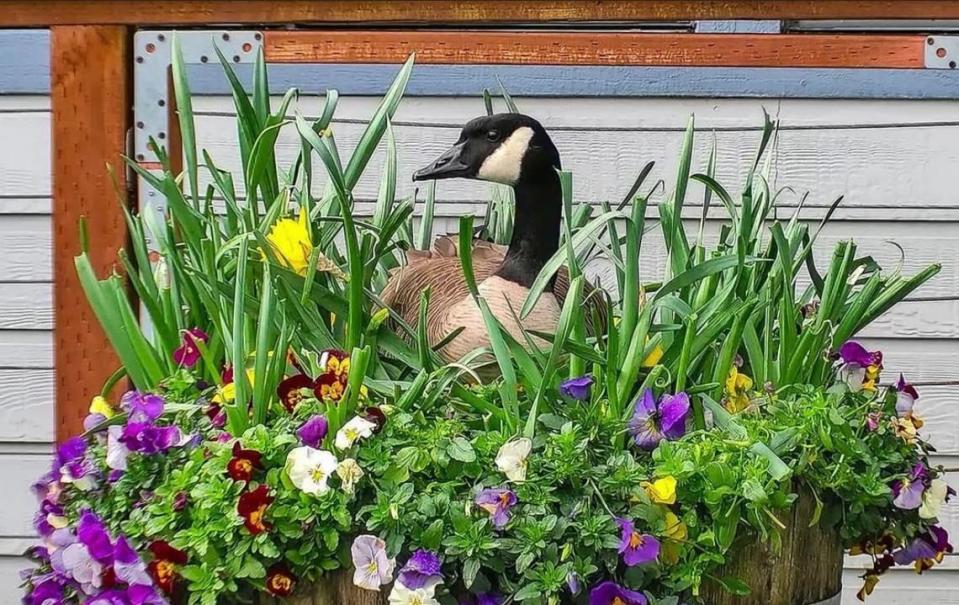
x=22 y=13
x=807 y=570
x=596 y=48
x=335 y=588
x=91 y=100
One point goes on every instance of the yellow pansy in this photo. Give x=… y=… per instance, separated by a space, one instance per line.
x=101 y=406
x=675 y=533
x=737 y=387
x=227 y=393
x=290 y=240
x=661 y=491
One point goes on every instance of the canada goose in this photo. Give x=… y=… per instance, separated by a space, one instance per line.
x=515 y=150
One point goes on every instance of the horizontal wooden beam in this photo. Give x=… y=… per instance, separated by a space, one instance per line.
x=30 y=13
x=596 y=48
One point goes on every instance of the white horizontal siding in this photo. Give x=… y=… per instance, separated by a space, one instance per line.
x=26 y=321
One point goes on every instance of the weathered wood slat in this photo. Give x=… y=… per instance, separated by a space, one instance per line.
x=596 y=48
x=20 y=13
x=91 y=97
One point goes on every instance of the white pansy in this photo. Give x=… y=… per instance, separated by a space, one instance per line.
x=349 y=472
x=401 y=595
x=352 y=431
x=511 y=459
x=933 y=499
x=309 y=469
x=117 y=451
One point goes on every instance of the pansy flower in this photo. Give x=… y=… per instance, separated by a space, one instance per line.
x=372 y=567
x=188 y=352
x=511 y=459
x=142 y=407
x=163 y=567
x=675 y=533
x=309 y=469
x=936 y=495
x=635 y=547
x=906 y=396
x=497 y=502
x=403 y=595
x=860 y=369
x=335 y=370
x=577 y=388
x=662 y=490
x=737 y=390
x=92 y=533
x=294 y=389
x=422 y=570
x=148 y=438
x=349 y=473
x=376 y=415
x=925 y=551
x=907 y=493
x=652 y=422
x=128 y=566
x=117 y=450
x=313 y=431
x=280 y=580
x=611 y=593
x=243 y=463
x=252 y=506
x=355 y=429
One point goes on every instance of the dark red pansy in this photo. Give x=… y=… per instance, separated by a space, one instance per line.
x=376 y=416
x=291 y=390
x=280 y=580
x=243 y=463
x=163 y=566
x=252 y=506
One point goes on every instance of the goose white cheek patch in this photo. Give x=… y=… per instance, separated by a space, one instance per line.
x=504 y=164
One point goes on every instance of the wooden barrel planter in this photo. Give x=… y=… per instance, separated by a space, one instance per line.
x=336 y=588
x=806 y=571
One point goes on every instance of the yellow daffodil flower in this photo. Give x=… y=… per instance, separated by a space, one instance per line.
x=290 y=240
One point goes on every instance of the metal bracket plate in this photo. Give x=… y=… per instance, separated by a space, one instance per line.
x=942 y=52
x=151 y=87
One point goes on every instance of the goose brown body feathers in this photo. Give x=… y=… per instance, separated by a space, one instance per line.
x=514 y=150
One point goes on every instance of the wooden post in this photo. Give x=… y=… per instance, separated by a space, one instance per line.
x=92 y=111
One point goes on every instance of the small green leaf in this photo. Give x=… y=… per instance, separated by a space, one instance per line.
x=461 y=449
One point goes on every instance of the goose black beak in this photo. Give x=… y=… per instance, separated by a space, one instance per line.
x=447 y=166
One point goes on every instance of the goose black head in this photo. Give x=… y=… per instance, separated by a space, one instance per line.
x=502 y=148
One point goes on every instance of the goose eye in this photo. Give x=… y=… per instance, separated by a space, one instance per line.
x=493 y=135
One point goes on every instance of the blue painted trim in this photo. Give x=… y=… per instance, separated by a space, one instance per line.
x=738 y=27
x=24 y=62
x=596 y=81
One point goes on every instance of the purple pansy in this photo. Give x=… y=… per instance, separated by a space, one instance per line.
x=652 y=422
x=636 y=548
x=907 y=493
x=860 y=368
x=76 y=562
x=906 y=396
x=92 y=421
x=128 y=566
x=92 y=533
x=147 y=438
x=189 y=353
x=71 y=450
x=47 y=592
x=423 y=569
x=117 y=450
x=611 y=593
x=853 y=352
x=926 y=550
x=313 y=431
x=572 y=582
x=577 y=388
x=142 y=407
x=497 y=502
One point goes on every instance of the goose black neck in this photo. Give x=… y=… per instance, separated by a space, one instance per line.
x=539 y=204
